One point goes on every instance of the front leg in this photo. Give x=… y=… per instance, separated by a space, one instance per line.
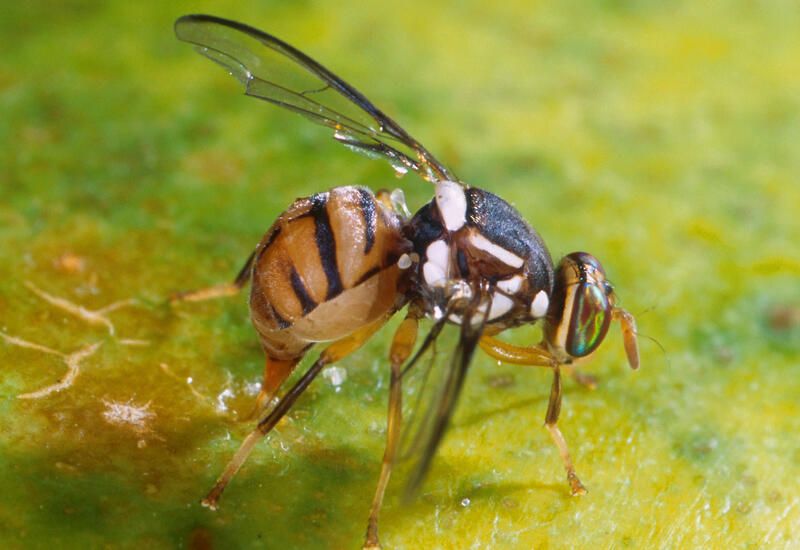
x=538 y=357
x=553 y=410
x=516 y=355
x=532 y=356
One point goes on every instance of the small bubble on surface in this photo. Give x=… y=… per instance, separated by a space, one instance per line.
x=335 y=376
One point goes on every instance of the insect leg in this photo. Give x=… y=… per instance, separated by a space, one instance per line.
x=531 y=356
x=402 y=346
x=227 y=289
x=334 y=352
x=540 y=358
x=276 y=372
x=517 y=355
x=553 y=410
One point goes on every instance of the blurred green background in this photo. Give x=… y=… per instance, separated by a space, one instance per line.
x=661 y=137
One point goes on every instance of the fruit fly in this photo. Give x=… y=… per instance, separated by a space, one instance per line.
x=335 y=266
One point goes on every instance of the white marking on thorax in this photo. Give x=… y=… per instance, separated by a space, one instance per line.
x=433 y=274
x=436 y=267
x=510 y=286
x=508 y=258
x=452 y=204
x=500 y=306
x=539 y=304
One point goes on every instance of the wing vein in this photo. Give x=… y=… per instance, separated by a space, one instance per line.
x=253 y=57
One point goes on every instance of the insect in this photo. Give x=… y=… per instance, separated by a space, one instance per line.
x=337 y=265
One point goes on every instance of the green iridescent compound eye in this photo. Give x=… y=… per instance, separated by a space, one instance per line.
x=590 y=320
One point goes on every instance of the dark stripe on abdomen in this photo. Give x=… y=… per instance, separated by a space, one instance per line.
x=326 y=244
x=282 y=323
x=268 y=243
x=367 y=275
x=307 y=303
x=367 y=203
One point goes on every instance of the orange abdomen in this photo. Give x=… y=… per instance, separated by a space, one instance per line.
x=327 y=267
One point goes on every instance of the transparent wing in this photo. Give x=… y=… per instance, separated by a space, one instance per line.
x=437 y=398
x=272 y=70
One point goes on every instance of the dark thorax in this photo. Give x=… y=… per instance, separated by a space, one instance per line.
x=469 y=242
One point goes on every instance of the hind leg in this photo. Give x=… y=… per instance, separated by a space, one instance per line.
x=276 y=372
x=537 y=357
x=334 y=352
x=553 y=410
x=227 y=289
